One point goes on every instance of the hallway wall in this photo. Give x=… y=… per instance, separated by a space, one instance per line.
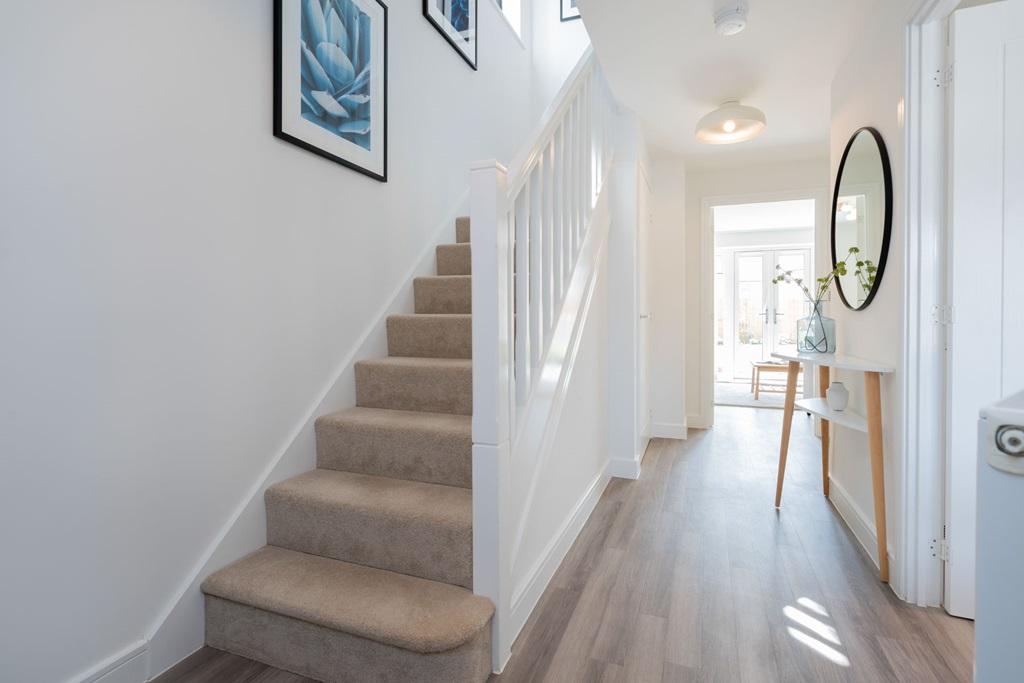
x=760 y=182
x=179 y=290
x=667 y=287
x=868 y=91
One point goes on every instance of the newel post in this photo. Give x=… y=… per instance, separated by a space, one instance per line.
x=492 y=295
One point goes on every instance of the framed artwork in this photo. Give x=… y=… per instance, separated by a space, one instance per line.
x=330 y=80
x=570 y=10
x=456 y=20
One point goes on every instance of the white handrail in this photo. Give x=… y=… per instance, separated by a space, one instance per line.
x=527 y=229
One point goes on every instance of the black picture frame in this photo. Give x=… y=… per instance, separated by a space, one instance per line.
x=563 y=16
x=279 y=131
x=883 y=256
x=474 y=62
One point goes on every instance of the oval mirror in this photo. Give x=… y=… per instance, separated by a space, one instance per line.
x=862 y=217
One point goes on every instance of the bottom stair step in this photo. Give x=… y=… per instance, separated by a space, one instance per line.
x=335 y=621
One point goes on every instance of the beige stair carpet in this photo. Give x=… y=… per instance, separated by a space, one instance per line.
x=368 y=570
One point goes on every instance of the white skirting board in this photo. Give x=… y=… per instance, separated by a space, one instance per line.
x=666 y=430
x=860 y=524
x=131 y=665
x=624 y=469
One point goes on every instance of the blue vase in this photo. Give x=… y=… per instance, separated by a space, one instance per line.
x=816 y=333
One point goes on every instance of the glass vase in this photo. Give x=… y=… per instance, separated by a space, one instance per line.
x=816 y=333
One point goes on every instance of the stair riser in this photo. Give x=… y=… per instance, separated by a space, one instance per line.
x=417 y=547
x=443 y=295
x=429 y=389
x=413 y=454
x=462 y=229
x=333 y=656
x=430 y=337
x=454 y=259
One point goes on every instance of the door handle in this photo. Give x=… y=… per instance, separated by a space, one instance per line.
x=777 y=314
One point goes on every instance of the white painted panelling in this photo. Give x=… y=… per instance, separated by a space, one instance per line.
x=986 y=252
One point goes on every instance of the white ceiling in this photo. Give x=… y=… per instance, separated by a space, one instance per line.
x=797 y=213
x=664 y=60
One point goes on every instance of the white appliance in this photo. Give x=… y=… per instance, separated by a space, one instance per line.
x=999 y=625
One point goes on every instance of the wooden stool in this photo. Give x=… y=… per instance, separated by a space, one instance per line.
x=760 y=366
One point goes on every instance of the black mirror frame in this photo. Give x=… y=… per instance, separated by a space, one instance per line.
x=883 y=153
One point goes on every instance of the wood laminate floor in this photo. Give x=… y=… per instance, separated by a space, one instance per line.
x=690 y=574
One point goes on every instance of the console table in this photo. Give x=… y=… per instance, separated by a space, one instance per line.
x=871 y=424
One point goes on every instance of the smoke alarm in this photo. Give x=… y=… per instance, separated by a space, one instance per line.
x=731 y=19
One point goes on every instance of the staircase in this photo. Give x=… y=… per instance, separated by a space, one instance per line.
x=368 y=569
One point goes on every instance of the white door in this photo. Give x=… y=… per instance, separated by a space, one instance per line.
x=765 y=314
x=751 y=310
x=986 y=281
x=788 y=304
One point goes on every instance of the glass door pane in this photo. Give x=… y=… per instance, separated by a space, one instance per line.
x=790 y=302
x=750 y=312
x=723 y=317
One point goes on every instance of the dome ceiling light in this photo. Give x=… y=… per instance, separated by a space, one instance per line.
x=732 y=122
x=731 y=18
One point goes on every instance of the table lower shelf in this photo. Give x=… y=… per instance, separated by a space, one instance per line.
x=845 y=418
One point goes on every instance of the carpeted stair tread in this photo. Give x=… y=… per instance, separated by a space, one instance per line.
x=395 y=609
x=443 y=294
x=430 y=335
x=423 y=530
x=462 y=229
x=454 y=259
x=405 y=444
x=435 y=385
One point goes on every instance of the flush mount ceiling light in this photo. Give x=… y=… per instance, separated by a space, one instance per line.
x=731 y=18
x=730 y=123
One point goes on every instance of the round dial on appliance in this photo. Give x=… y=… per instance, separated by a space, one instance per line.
x=1010 y=440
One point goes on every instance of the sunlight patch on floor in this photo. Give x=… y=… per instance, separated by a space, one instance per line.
x=817 y=627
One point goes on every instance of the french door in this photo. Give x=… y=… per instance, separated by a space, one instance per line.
x=755 y=318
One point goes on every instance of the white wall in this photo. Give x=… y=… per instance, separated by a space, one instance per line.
x=867 y=91
x=180 y=290
x=667 y=284
x=755 y=183
x=626 y=440
x=556 y=45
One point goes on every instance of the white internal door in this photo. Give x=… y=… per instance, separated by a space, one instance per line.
x=986 y=280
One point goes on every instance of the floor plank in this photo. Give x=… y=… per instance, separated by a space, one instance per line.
x=690 y=574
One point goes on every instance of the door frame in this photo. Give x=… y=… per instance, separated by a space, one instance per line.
x=705 y=415
x=921 y=516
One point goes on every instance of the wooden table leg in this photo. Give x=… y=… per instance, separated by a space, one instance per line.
x=823 y=381
x=757 y=383
x=873 y=396
x=787 y=424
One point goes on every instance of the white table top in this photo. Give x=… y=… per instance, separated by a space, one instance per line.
x=835 y=361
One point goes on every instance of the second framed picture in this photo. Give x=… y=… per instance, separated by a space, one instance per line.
x=570 y=10
x=457 y=22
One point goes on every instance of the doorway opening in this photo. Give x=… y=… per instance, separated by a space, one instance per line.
x=754 y=318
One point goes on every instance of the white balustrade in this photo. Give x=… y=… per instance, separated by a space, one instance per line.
x=527 y=229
